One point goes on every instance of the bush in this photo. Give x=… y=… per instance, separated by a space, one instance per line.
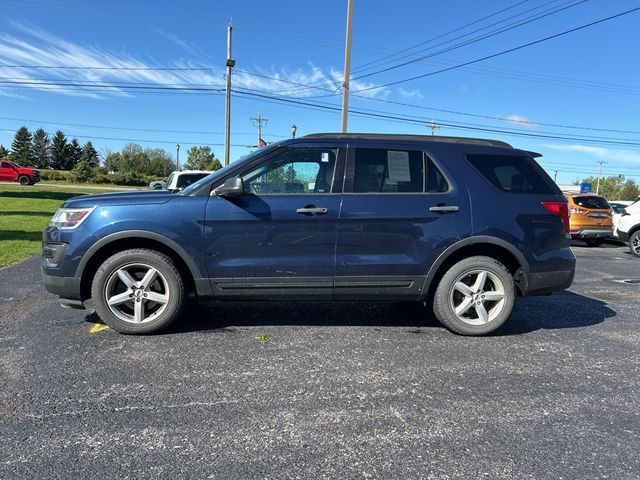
x=82 y=172
x=55 y=175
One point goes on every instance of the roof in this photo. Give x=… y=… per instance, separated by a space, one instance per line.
x=415 y=138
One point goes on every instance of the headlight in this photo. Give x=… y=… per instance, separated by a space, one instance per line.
x=70 y=218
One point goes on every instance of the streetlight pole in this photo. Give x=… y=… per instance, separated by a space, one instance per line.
x=347 y=68
x=227 y=123
x=177 y=156
x=601 y=162
x=293 y=130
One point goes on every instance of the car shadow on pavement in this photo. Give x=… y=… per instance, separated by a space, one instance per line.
x=559 y=311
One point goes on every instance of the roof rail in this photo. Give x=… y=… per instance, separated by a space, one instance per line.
x=409 y=137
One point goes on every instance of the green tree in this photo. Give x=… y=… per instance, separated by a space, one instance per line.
x=112 y=162
x=74 y=154
x=59 y=151
x=4 y=153
x=199 y=158
x=90 y=155
x=40 y=149
x=214 y=165
x=609 y=187
x=83 y=172
x=133 y=160
x=21 y=147
x=629 y=191
x=160 y=162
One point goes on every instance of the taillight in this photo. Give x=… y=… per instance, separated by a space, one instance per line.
x=561 y=209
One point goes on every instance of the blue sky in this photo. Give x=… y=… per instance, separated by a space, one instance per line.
x=117 y=72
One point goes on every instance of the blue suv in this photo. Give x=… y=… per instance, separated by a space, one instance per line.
x=464 y=224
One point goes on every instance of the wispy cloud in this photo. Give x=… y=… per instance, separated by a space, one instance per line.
x=520 y=121
x=410 y=93
x=611 y=154
x=186 y=46
x=113 y=71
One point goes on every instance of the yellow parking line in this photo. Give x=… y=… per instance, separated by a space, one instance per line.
x=98 y=327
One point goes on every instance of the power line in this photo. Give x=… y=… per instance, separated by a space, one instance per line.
x=473 y=40
x=504 y=52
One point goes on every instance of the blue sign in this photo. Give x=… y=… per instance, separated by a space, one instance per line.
x=585 y=188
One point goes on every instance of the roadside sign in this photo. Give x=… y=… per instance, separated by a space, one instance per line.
x=585 y=188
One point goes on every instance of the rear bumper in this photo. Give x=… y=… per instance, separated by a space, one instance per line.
x=592 y=232
x=543 y=283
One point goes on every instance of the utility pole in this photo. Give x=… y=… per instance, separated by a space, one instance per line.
x=601 y=162
x=555 y=176
x=347 y=68
x=258 y=122
x=227 y=124
x=433 y=126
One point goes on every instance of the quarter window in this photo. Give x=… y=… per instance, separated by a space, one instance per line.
x=514 y=174
x=296 y=171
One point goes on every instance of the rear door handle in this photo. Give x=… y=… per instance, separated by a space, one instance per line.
x=312 y=211
x=444 y=208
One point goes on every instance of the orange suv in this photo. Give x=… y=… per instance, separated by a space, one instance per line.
x=590 y=218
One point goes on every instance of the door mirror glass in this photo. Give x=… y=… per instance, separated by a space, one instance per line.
x=232 y=187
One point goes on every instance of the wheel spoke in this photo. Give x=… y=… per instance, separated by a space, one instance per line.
x=119 y=299
x=138 y=311
x=464 y=306
x=148 y=278
x=482 y=313
x=493 y=296
x=481 y=279
x=157 y=297
x=463 y=288
x=126 y=278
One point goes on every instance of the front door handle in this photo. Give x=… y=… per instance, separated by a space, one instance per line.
x=311 y=210
x=444 y=208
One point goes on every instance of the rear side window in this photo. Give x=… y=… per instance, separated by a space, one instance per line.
x=379 y=170
x=513 y=174
x=589 y=201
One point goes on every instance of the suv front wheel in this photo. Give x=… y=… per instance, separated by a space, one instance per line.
x=138 y=291
x=634 y=243
x=475 y=296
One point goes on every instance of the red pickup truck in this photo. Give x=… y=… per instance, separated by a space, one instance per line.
x=12 y=172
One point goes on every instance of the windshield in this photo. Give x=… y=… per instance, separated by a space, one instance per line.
x=223 y=171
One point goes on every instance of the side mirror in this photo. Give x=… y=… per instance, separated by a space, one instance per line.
x=232 y=187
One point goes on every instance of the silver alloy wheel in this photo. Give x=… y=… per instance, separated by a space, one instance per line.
x=635 y=244
x=137 y=293
x=477 y=297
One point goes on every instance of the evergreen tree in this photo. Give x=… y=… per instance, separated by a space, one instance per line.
x=4 y=153
x=89 y=155
x=59 y=151
x=21 y=147
x=74 y=154
x=40 y=148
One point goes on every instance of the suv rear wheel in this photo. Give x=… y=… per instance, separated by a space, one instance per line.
x=138 y=291
x=475 y=296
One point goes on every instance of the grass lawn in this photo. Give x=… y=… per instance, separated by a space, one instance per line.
x=24 y=212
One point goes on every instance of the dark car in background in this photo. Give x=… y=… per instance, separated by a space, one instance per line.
x=466 y=225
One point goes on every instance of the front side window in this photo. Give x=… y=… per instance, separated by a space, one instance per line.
x=296 y=171
x=379 y=170
x=4 y=165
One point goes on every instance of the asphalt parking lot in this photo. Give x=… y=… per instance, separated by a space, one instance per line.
x=321 y=390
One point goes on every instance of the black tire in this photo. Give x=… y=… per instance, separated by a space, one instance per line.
x=497 y=282
x=121 y=279
x=595 y=242
x=24 y=180
x=634 y=243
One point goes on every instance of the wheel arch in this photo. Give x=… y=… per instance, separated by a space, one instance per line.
x=487 y=246
x=126 y=240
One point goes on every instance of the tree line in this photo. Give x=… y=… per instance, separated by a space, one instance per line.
x=133 y=164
